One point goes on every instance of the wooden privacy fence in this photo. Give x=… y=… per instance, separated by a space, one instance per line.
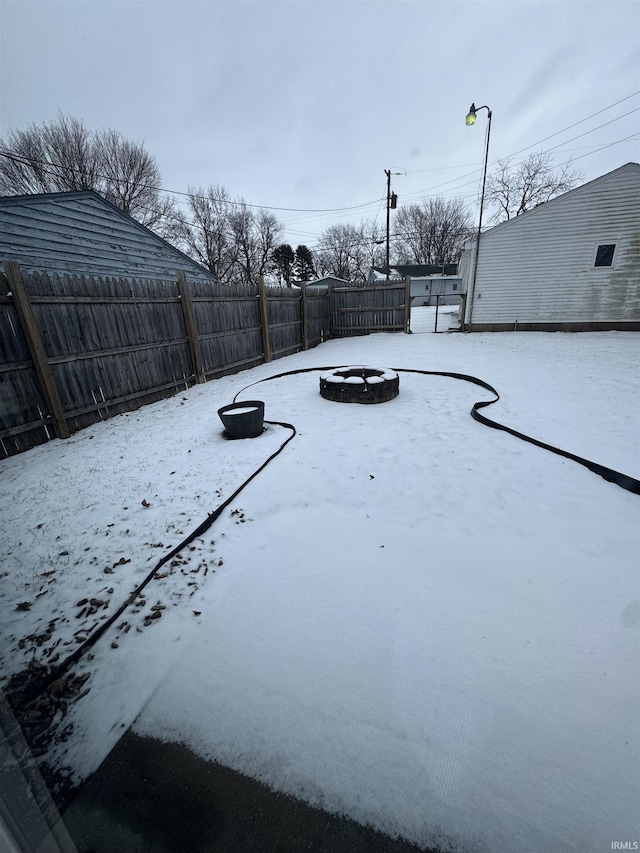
x=360 y=309
x=77 y=349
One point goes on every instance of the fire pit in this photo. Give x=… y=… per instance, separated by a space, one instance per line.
x=359 y=385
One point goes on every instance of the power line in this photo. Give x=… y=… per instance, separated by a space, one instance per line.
x=51 y=168
x=321 y=213
x=540 y=141
x=557 y=133
x=593 y=130
x=582 y=121
x=608 y=145
x=401 y=235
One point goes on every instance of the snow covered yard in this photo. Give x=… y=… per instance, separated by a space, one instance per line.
x=407 y=617
x=423 y=318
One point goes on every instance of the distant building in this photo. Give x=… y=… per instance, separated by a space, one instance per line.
x=572 y=263
x=436 y=290
x=413 y=271
x=327 y=280
x=83 y=233
x=431 y=284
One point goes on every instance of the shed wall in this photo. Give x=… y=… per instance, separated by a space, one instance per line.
x=82 y=234
x=539 y=268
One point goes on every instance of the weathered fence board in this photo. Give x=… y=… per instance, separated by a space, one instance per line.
x=24 y=415
x=284 y=319
x=192 y=332
x=317 y=315
x=229 y=330
x=33 y=336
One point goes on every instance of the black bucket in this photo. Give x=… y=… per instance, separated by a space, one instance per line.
x=244 y=419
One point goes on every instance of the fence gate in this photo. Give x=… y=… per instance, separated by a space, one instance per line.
x=358 y=310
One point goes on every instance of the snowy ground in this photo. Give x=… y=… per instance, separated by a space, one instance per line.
x=407 y=617
x=423 y=319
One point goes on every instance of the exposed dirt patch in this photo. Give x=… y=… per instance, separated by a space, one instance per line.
x=43 y=719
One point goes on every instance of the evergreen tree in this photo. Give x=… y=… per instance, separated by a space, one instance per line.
x=283 y=258
x=303 y=267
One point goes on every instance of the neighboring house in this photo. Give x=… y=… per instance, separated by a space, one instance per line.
x=572 y=263
x=413 y=271
x=83 y=233
x=327 y=280
x=436 y=290
x=431 y=284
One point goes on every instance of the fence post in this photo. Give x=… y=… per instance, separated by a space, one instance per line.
x=36 y=348
x=435 y=328
x=407 y=305
x=463 y=310
x=304 y=313
x=192 y=332
x=264 y=318
x=330 y=309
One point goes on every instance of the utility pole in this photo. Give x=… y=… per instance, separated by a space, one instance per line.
x=392 y=200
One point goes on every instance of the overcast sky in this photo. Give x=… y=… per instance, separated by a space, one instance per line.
x=305 y=104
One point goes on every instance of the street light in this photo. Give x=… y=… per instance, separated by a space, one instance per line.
x=471 y=120
x=471 y=115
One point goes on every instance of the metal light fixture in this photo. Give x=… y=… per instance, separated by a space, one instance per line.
x=471 y=120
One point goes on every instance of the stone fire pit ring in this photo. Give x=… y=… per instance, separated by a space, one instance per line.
x=359 y=384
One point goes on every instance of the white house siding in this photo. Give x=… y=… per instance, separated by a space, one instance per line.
x=538 y=270
x=84 y=234
x=424 y=290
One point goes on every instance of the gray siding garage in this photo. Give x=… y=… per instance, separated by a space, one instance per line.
x=570 y=264
x=82 y=233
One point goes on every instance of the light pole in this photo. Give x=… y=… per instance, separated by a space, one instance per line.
x=471 y=120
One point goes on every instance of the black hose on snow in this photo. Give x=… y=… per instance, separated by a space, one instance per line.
x=41 y=685
x=631 y=484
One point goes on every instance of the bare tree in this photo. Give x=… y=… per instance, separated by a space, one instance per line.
x=54 y=157
x=339 y=252
x=161 y=216
x=64 y=155
x=228 y=236
x=431 y=233
x=129 y=176
x=255 y=236
x=373 y=236
x=349 y=251
x=205 y=232
x=515 y=188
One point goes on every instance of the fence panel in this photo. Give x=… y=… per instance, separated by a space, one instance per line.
x=227 y=319
x=112 y=344
x=24 y=417
x=317 y=318
x=360 y=310
x=284 y=320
